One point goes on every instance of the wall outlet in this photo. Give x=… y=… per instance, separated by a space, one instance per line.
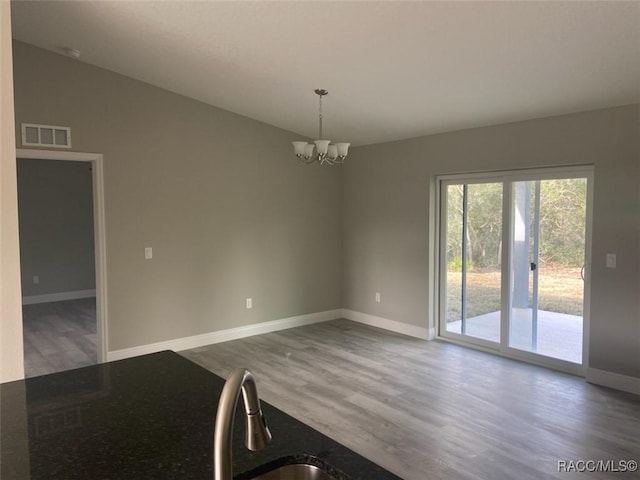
x=36 y=279
x=377 y=297
x=148 y=253
x=249 y=303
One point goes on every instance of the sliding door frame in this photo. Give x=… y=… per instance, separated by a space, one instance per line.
x=507 y=178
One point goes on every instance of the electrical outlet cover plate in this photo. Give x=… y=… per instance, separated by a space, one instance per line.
x=611 y=260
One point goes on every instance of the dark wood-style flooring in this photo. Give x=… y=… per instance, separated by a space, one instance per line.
x=59 y=336
x=434 y=410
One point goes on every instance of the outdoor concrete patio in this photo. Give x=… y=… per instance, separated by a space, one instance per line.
x=559 y=335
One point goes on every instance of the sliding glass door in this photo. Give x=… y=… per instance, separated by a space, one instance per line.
x=473 y=239
x=547 y=267
x=513 y=255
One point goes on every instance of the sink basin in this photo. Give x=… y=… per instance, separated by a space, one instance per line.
x=300 y=471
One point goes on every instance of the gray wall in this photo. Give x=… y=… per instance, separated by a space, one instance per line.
x=220 y=198
x=55 y=208
x=387 y=202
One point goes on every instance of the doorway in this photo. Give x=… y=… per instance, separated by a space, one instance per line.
x=513 y=254
x=61 y=215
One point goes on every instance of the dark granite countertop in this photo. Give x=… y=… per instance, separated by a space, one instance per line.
x=149 y=417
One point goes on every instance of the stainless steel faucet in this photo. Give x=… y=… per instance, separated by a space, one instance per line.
x=258 y=435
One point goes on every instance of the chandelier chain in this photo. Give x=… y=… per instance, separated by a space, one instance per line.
x=320 y=124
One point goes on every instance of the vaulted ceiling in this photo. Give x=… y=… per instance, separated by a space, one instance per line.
x=394 y=69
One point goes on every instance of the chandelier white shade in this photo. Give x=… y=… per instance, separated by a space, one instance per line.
x=327 y=154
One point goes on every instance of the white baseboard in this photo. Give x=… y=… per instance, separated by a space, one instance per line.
x=58 y=297
x=613 y=380
x=387 y=324
x=225 y=335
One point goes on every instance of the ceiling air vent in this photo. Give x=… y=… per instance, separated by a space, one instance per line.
x=46 y=135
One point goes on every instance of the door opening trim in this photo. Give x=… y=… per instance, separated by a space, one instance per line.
x=96 y=160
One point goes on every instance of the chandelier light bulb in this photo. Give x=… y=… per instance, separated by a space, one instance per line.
x=332 y=152
x=343 y=149
x=308 y=151
x=298 y=148
x=322 y=146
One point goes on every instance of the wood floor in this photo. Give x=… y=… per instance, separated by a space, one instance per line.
x=434 y=410
x=59 y=336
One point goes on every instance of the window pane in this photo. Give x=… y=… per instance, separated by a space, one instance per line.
x=548 y=254
x=474 y=248
x=454 y=258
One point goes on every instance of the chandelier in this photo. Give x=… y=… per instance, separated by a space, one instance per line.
x=327 y=153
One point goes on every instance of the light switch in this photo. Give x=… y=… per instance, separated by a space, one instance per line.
x=249 y=303
x=377 y=297
x=148 y=253
x=611 y=260
x=36 y=279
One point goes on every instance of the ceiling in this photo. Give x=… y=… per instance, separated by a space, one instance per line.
x=394 y=69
